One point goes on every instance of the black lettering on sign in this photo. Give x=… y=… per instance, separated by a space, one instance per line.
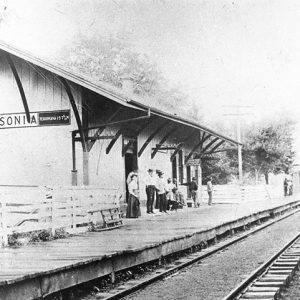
x=9 y=121
x=33 y=120
x=17 y=120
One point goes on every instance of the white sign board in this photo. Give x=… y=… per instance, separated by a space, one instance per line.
x=42 y=118
x=193 y=162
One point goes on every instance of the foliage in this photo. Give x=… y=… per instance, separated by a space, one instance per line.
x=220 y=167
x=19 y=239
x=111 y=59
x=14 y=240
x=61 y=233
x=267 y=148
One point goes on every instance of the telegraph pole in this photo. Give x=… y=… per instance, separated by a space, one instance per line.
x=238 y=114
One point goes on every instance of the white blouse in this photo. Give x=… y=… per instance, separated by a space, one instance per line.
x=132 y=187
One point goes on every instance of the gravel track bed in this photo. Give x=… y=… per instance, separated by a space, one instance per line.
x=216 y=276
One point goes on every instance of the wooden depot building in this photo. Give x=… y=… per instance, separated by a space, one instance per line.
x=58 y=128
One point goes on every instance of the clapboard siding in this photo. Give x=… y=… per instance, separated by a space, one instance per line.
x=39 y=155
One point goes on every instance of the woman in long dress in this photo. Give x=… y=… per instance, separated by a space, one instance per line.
x=133 y=207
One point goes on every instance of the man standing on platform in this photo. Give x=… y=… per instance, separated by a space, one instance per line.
x=150 y=191
x=161 y=190
x=209 y=190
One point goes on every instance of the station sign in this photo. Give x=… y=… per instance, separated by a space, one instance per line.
x=37 y=119
x=193 y=162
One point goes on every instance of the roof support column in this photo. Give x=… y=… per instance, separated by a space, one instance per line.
x=74 y=171
x=82 y=137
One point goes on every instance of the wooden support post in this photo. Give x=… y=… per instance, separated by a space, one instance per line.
x=74 y=177
x=113 y=276
x=160 y=261
x=74 y=171
x=4 y=223
x=52 y=216
x=85 y=168
x=200 y=191
x=73 y=225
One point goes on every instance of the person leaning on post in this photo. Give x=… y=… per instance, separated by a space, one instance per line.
x=150 y=191
x=193 y=188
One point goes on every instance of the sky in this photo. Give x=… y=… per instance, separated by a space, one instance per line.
x=220 y=52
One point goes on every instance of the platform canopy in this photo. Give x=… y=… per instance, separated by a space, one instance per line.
x=212 y=138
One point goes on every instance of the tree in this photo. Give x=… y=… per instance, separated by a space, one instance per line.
x=109 y=59
x=269 y=148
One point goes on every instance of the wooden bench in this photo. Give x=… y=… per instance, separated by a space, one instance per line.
x=111 y=217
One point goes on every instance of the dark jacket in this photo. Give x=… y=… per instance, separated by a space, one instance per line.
x=193 y=186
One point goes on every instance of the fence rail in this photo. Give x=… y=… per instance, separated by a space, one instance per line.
x=26 y=209
x=243 y=193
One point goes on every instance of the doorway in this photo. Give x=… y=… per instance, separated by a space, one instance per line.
x=174 y=168
x=130 y=158
x=188 y=178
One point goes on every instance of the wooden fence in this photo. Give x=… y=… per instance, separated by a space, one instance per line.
x=242 y=193
x=27 y=208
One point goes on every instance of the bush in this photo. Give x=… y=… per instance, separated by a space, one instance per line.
x=19 y=239
x=60 y=233
x=13 y=239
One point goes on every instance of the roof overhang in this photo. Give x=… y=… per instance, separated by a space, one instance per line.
x=69 y=75
x=104 y=91
x=185 y=122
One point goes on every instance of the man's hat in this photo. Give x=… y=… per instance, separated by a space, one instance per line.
x=150 y=170
x=194 y=178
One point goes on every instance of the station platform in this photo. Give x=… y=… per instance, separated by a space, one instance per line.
x=37 y=270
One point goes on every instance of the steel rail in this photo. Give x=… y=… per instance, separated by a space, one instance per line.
x=236 y=292
x=196 y=258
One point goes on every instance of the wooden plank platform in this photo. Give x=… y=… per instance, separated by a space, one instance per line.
x=31 y=271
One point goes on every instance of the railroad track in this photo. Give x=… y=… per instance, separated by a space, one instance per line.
x=267 y=281
x=279 y=270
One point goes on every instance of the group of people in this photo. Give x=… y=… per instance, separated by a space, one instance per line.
x=166 y=193
x=161 y=194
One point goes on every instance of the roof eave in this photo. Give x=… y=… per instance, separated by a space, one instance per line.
x=83 y=81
